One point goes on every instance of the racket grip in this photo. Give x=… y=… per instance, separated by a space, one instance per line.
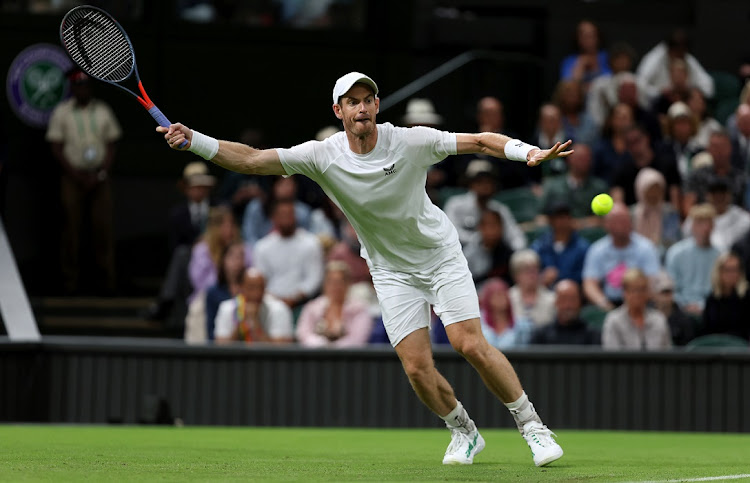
x=162 y=120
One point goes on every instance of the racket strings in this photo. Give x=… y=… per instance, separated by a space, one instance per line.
x=98 y=45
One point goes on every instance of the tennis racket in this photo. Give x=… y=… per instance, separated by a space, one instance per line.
x=98 y=44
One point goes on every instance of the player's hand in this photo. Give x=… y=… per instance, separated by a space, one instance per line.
x=538 y=156
x=176 y=134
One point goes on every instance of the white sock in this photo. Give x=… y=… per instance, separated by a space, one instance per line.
x=523 y=411
x=458 y=418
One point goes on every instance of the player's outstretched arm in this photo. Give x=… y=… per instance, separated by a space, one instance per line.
x=227 y=154
x=501 y=146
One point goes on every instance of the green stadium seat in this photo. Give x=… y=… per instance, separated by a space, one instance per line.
x=524 y=204
x=726 y=85
x=717 y=340
x=593 y=316
x=592 y=233
x=725 y=108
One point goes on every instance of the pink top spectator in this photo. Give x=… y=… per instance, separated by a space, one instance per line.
x=357 y=324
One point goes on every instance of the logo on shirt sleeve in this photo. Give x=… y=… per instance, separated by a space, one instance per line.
x=389 y=170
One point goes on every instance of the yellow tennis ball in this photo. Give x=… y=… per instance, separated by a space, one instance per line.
x=602 y=204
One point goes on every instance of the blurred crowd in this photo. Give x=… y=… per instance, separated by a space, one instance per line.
x=272 y=259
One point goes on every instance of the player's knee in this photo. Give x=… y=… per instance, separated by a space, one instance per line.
x=472 y=348
x=419 y=370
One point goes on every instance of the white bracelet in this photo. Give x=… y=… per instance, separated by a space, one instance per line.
x=204 y=146
x=517 y=150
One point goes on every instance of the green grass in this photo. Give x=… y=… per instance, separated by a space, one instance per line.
x=100 y=453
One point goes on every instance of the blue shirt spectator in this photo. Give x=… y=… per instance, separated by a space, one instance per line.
x=561 y=250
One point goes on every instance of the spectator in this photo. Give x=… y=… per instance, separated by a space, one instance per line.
x=590 y=61
x=577 y=186
x=82 y=132
x=567 y=328
x=228 y=283
x=334 y=319
x=254 y=315
x=290 y=257
x=635 y=326
x=499 y=325
x=577 y=123
x=256 y=222
x=205 y=258
x=464 y=210
x=728 y=303
x=731 y=222
x=696 y=184
x=561 y=250
x=529 y=298
x=689 y=261
x=706 y=124
x=681 y=326
x=348 y=251
x=653 y=69
x=602 y=94
x=654 y=218
x=681 y=130
x=677 y=91
x=632 y=93
x=609 y=258
x=741 y=139
x=486 y=252
x=611 y=150
x=641 y=153
x=549 y=131
x=187 y=222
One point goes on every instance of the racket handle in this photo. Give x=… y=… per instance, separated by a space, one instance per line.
x=162 y=120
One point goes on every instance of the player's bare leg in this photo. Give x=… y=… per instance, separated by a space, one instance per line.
x=415 y=352
x=499 y=376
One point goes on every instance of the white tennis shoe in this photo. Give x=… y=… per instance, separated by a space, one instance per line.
x=540 y=439
x=465 y=444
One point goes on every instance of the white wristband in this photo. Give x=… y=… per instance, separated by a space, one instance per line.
x=517 y=150
x=204 y=146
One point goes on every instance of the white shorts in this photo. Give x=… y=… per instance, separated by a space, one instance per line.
x=405 y=298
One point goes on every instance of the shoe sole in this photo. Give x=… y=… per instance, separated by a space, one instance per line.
x=478 y=449
x=549 y=459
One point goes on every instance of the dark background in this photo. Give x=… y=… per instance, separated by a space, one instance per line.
x=222 y=78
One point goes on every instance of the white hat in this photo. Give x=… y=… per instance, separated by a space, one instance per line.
x=422 y=111
x=196 y=174
x=344 y=83
x=477 y=167
x=326 y=132
x=678 y=109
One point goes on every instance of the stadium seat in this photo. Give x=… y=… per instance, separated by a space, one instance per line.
x=717 y=340
x=592 y=233
x=593 y=316
x=726 y=85
x=521 y=202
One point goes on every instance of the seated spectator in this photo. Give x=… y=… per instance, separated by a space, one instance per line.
x=334 y=319
x=221 y=231
x=577 y=186
x=653 y=69
x=630 y=91
x=689 y=261
x=561 y=250
x=654 y=218
x=590 y=60
x=567 y=328
x=602 y=95
x=731 y=222
x=696 y=184
x=499 y=326
x=636 y=326
x=727 y=305
x=549 y=131
x=706 y=124
x=529 y=298
x=486 y=252
x=681 y=326
x=678 y=89
x=609 y=258
x=348 y=251
x=577 y=123
x=256 y=222
x=464 y=210
x=228 y=283
x=253 y=315
x=681 y=129
x=641 y=154
x=290 y=257
x=611 y=150
x=741 y=138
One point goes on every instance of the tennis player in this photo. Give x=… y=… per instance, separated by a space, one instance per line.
x=376 y=175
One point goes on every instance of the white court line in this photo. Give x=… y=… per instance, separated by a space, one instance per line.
x=705 y=478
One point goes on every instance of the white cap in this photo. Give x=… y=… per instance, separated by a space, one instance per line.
x=421 y=111
x=344 y=83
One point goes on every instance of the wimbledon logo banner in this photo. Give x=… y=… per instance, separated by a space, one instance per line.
x=36 y=82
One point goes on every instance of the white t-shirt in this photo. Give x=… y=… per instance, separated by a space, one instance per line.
x=383 y=193
x=291 y=265
x=275 y=317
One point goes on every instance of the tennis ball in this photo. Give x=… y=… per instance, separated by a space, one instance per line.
x=601 y=204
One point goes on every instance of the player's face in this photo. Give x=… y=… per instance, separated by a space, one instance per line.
x=357 y=109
